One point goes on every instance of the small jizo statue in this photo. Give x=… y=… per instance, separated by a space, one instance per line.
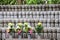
x=39 y=28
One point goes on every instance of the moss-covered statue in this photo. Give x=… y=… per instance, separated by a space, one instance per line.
x=19 y=28
x=27 y=28
x=39 y=28
x=11 y=28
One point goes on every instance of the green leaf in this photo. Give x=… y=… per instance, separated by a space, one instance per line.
x=6 y=2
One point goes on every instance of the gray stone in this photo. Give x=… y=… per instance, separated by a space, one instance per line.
x=3 y=36
x=42 y=35
x=58 y=35
x=49 y=35
x=45 y=35
x=54 y=35
x=58 y=29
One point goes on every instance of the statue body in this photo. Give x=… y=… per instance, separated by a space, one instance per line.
x=11 y=28
x=19 y=28
x=39 y=28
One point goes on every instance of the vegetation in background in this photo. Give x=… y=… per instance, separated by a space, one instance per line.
x=53 y=1
x=42 y=1
x=49 y=1
x=34 y=2
x=8 y=2
x=19 y=2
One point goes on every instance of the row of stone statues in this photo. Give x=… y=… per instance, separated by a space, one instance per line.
x=25 y=28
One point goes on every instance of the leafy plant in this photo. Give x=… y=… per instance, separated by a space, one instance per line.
x=56 y=1
x=31 y=1
x=8 y=2
x=53 y=1
x=49 y=1
x=34 y=1
x=40 y=1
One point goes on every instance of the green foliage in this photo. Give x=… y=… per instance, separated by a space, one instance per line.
x=56 y=1
x=53 y=1
x=34 y=2
x=40 y=1
x=8 y=2
x=31 y=2
x=49 y=1
x=14 y=2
